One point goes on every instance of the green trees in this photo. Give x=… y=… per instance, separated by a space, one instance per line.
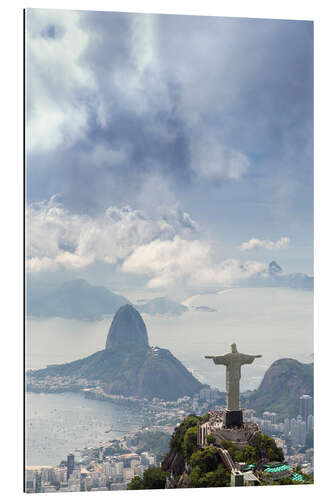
x=136 y=484
x=176 y=443
x=156 y=442
x=212 y=479
x=206 y=459
x=261 y=446
x=190 y=442
x=267 y=447
x=153 y=478
x=207 y=469
x=249 y=454
x=210 y=439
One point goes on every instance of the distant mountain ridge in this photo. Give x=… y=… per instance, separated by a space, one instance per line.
x=274 y=277
x=129 y=366
x=162 y=306
x=76 y=299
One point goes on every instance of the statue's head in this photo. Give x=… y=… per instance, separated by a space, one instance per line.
x=233 y=347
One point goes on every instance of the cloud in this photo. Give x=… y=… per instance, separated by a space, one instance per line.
x=161 y=248
x=151 y=109
x=255 y=244
x=103 y=156
x=213 y=161
x=58 y=238
x=58 y=80
x=198 y=99
x=180 y=261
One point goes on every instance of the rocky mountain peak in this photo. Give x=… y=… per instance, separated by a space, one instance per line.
x=274 y=268
x=127 y=330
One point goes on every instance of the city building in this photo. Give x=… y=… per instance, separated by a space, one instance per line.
x=272 y=416
x=30 y=481
x=236 y=478
x=266 y=426
x=70 y=464
x=305 y=406
x=286 y=427
x=298 y=431
x=309 y=423
x=250 y=479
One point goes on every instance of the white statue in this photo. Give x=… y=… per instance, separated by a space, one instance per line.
x=233 y=361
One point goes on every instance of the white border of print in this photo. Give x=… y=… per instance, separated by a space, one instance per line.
x=11 y=200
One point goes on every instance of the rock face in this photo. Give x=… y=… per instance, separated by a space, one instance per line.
x=127 y=330
x=283 y=384
x=174 y=462
x=128 y=366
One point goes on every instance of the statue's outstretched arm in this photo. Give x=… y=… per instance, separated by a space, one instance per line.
x=248 y=359
x=211 y=357
x=218 y=360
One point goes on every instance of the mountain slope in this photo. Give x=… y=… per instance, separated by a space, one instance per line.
x=162 y=306
x=283 y=384
x=274 y=277
x=128 y=366
x=75 y=299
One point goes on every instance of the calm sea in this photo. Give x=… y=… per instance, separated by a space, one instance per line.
x=58 y=424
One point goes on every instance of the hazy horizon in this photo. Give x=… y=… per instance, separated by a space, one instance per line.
x=276 y=323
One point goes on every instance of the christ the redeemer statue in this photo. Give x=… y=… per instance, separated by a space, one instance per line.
x=233 y=361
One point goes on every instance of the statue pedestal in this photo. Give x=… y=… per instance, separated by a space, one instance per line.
x=233 y=418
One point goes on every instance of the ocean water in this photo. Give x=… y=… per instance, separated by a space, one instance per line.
x=59 y=424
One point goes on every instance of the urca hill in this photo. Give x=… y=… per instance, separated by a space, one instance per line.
x=283 y=384
x=129 y=366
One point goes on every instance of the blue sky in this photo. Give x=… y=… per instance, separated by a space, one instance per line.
x=157 y=145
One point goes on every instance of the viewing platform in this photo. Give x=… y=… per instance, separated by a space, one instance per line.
x=216 y=427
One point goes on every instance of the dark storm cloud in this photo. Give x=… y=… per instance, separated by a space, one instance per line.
x=240 y=88
x=85 y=186
x=253 y=79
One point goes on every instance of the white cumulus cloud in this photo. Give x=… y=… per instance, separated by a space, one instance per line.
x=59 y=238
x=255 y=243
x=187 y=262
x=161 y=248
